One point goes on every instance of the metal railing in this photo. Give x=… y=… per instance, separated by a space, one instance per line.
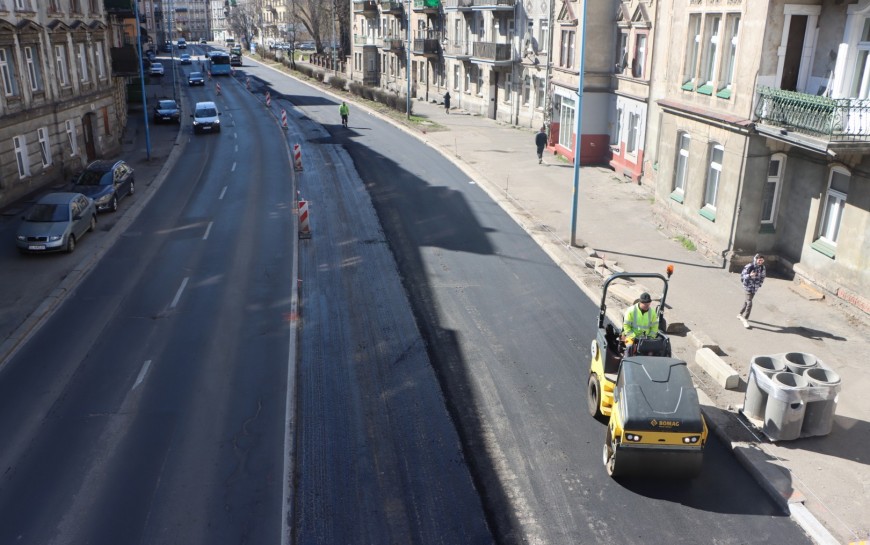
x=426 y=46
x=361 y=39
x=427 y=5
x=365 y=6
x=394 y=43
x=492 y=51
x=391 y=6
x=836 y=119
x=459 y=49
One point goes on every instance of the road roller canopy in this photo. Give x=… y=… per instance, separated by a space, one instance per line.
x=657 y=394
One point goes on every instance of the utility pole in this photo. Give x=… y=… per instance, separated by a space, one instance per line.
x=548 y=103
x=142 y=81
x=408 y=62
x=578 y=115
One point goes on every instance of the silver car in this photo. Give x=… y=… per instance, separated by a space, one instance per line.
x=56 y=222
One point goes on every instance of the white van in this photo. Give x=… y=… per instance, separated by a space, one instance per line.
x=205 y=117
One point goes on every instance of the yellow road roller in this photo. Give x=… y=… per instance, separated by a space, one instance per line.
x=654 y=421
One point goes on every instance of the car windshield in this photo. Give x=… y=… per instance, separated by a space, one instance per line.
x=206 y=112
x=194 y=75
x=156 y=65
x=48 y=213
x=91 y=177
x=166 y=105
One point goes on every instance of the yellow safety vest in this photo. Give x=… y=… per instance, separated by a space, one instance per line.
x=640 y=324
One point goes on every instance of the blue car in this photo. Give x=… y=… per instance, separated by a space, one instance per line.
x=106 y=182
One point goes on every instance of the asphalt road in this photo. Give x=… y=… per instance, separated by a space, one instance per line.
x=439 y=382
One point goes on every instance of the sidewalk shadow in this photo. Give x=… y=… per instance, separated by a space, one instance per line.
x=847 y=441
x=663 y=260
x=806 y=332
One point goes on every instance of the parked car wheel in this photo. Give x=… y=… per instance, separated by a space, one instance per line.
x=71 y=244
x=132 y=187
x=93 y=224
x=114 y=206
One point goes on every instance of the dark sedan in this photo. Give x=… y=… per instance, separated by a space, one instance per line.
x=56 y=222
x=195 y=78
x=167 y=110
x=106 y=182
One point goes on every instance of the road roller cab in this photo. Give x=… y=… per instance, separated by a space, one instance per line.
x=656 y=427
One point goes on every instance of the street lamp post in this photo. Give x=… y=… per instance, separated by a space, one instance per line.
x=142 y=82
x=408 y=62
x=578 y=124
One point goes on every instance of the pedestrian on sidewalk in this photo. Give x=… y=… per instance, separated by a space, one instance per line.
x=447 y=102
x=753 y=276
x=541 y=143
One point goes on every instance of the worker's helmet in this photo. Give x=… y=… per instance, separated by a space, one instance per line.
x=645 y=298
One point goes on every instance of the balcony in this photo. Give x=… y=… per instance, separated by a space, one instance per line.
x=821 y=123
x=493 y=5
x=392 y=7
x=427 y=6
x=458 y=5
x=394 y=43
x=369 y=8
x=428 y=47
x=492 y=53
x=460 y=50
x=361 y=39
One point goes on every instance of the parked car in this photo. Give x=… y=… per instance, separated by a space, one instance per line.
x=306 y=46
x=202 y=41
x=106 y=182
x=235 y=60
x=167 y=110
x=205 y=118
x=56 y=222
x=156 y=69
x=185 y=58
x=195 y=78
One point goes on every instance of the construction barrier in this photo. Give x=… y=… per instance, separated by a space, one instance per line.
x=283 y=118
x=209 y=74
x=304 y=228
x=268 y=100
x=217 y=88
x=297 y=156
x=248 y=83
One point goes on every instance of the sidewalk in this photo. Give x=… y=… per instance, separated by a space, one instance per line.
x=828 y=476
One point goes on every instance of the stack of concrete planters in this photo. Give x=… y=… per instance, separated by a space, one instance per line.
x=791 y=395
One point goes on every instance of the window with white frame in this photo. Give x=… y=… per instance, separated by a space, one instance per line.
x=83 y=63
x=726 y=75
x=835 y=205
x=7 y=72
x=861 y=77
x=457 y=77
x=621 y=60
x=527 y=87
x=711 y=49
x=468 y=71
x=23 y=5
x=543 y=36
x=31 y=62
x=693 y=48
x=633 y=133
x=617 y=128
x=507 y=82
x=714 y=174
x=479 y=80
x=60 y=62
x=638 y=67
x=681 y=169
x=540 y=93
x=770 y=194
x=71 y=137
x=566 y=56
x=101 y=63
x=21 y=157
x=44 y=146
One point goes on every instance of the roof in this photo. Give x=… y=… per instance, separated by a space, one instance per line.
x=658 y=394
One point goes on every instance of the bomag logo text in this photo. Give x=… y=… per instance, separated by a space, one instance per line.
x=665 y=423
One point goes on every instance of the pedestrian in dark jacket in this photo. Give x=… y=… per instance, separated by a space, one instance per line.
x=447 y=102
x=753 y=276
x=541 y=143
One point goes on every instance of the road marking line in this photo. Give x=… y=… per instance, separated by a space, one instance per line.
x=142 y=374
x=237 y=147
x=207 y=230
x=234 y=167
x=179 y=292
x=223 y=192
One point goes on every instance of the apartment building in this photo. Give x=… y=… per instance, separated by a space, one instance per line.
x=60 y=107
x=759 y=133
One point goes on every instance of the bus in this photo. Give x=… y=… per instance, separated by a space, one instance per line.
x=231 y=42
x=219 y=63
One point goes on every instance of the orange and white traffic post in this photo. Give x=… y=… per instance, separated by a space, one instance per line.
x=297 y=157
x=248 y=83
x=217 y=88
x=304 y=226
x=284 y=118
x=268 y=100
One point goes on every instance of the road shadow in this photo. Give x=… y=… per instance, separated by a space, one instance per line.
x=801 y=331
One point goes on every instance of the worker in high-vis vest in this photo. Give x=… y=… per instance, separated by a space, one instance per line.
x=641 y=320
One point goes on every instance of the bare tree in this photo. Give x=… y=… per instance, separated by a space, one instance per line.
x=243 y=19
x=317 y=17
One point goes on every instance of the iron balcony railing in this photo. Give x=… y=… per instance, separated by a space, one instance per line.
x=391 y=6
x=427 y=6
x=360 y=39
x=493 y=4
x=461 y=5
x=426 y=46
x=458 y=49
x=365 y=6
x=394 y=43
x=492 y=51
x=836 y=119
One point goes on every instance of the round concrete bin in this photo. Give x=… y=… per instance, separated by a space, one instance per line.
x=755 y=401
x=822 y=404
x=798 y=362
x=784 y=415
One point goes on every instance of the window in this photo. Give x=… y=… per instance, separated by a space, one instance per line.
x=456 y=77
x=101 y=63
x=566 y=122
x=527 y=85
x=566 y=57
x=633 y=133
x=467 y=88
x=770 y=194
x=621 y=60
x=540 y=93
x=75 y=6
x=60 y=60
x=7 y=72
x=507 y=81
x=692 y=49
x=861 y=77
x=726 y=75
x=714 y=173
x=682 y=167
x=83 y=63
x=617 y=128
x=71 y=136
x=835 y=204
x=639 y=64
x=543 y=36
x=21 y=157
x=31 y=60
x=711 y=48
x=479 y=73
x=44 y=146
x=23 y=5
